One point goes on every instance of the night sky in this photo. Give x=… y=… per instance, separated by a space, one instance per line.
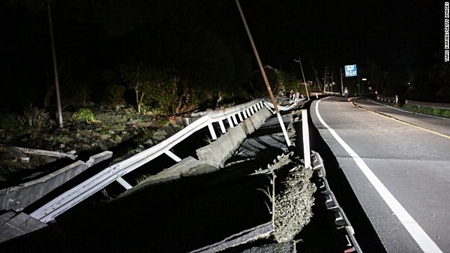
x=398 y=36
x=391 y=33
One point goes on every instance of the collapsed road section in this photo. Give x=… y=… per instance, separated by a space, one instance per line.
x=180 y=212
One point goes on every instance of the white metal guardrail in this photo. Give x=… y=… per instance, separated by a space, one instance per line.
x=72 y=197
x=331 y=203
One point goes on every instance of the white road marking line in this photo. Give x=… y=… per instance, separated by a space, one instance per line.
x=414 y=229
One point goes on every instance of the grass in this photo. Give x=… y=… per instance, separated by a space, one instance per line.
x=434 y=111
x=441 y=112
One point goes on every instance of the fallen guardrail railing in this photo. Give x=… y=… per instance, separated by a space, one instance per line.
x=114 y=173
x=19 y=197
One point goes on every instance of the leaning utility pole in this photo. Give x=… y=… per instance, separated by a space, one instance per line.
x=317 y=77
x=266 y=81
x=55 y=68
x=303 y=74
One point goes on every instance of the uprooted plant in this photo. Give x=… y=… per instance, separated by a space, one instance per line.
x=291 y=204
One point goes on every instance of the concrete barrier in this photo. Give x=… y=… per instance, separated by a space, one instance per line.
x=187 y=167
x=223 y=148
x=18 y=197
x=211 y=157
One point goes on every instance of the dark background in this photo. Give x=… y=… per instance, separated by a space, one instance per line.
x=397 y=45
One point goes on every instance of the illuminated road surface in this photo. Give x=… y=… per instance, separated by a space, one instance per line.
x=399 y=171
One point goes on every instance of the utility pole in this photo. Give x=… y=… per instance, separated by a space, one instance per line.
x=325 y=80
x=303 y=74
x=317 y=77
x=55 y=68
x=332 y=81
x=342 y=82
x=263 y=72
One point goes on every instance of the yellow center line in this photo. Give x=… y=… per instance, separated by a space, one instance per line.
x=401 y=121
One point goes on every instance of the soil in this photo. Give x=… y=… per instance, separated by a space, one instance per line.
x=124 y=131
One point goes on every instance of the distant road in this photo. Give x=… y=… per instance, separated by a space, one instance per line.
x=398 y=165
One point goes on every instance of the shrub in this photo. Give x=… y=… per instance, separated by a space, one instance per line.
x=12 y=122
x=115 y=95
x=36 y=117
x=85 y=115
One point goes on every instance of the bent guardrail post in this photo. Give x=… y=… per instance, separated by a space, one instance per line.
x=124 y=183
x=173 y=156
x=267 y=105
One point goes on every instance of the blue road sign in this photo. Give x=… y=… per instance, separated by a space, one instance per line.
x=350 y=70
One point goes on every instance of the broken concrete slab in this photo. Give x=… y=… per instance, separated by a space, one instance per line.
x=187 y=167
x=20 y=196
x=223 y=148
x=13 y=225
